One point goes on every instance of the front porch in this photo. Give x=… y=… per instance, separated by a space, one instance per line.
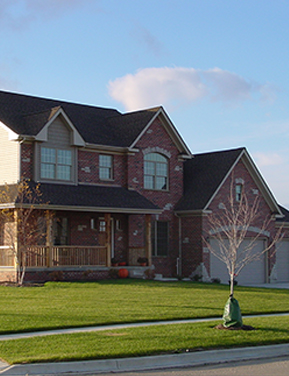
x=105 y=242
x=68 y=263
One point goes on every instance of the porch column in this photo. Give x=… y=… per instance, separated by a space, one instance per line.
x=49 y=238
x=15 y=242
x=148 y=237
x=108 y=238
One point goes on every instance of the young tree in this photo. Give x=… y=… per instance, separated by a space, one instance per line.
x=231 y=225
x=22 y=221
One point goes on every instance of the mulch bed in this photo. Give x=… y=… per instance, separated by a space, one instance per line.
x=243 y=327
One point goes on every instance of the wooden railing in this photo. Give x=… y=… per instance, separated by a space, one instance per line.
x=44 y=256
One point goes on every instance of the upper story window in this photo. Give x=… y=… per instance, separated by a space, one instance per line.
x=105 y=167
x=239 y=189
x=56 y=164
x=155 y=171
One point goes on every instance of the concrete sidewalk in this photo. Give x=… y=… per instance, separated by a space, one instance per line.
x=191 y=359
x=196 y=358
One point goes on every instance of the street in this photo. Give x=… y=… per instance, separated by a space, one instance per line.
x=276 y=367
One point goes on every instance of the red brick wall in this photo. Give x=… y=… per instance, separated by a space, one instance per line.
x=27 y=161
x=88 y=171
x=191 y=239
x=156 y=139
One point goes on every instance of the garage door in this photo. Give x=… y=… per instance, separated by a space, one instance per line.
x=282 y=262
x=253 y=273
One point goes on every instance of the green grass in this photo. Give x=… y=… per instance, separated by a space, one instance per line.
x=60 y=305
x=143 y=341
x=63 y=305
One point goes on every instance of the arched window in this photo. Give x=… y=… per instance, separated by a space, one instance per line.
x=155 y=171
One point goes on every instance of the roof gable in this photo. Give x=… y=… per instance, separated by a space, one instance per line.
x=205 y=174
x=160 y=113
x=56 y=112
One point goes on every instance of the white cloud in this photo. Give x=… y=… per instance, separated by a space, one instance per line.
x=179 y=86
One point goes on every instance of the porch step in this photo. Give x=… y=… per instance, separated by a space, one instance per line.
x=136 y=273
x=158 y=276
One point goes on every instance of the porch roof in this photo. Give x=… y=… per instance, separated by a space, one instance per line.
x=93 y=198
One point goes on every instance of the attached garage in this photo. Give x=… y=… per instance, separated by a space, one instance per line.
x=253 y=273
x=282 y=261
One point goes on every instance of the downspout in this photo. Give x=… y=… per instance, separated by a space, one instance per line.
x=179 y=259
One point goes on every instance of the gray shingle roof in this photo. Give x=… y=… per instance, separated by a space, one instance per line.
x=92 y=197
x=203 y=175
x=27 y=115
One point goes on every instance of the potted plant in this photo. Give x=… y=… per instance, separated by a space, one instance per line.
x=143 y=261
x=114 y=262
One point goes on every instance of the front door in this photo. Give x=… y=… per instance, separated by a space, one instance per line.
x=60 y=231
x=102 y=233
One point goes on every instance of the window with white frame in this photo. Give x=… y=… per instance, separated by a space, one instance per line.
x=155 y=171
x=239 y=189
x=160 y=238
x=56 y=164
x=105 y=167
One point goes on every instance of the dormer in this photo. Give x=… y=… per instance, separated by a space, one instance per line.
x=56 y=149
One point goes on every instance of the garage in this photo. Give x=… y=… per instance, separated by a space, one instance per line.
x=253 y=273
x=282 y=261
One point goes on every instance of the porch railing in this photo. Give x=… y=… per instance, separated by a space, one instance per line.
x=44 y=256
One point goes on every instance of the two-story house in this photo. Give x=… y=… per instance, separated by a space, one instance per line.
x=120 y=187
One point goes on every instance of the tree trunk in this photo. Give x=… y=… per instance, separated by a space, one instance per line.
x=231 y=284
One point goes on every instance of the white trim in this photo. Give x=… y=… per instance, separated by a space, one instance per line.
x=84 y=208
x=170 y=128
x=77 y=140
x=250 y=229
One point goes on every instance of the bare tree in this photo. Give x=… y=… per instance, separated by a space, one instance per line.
x=231 y=225
x=22 y=221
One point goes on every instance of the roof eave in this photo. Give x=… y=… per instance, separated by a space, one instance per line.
x=89 y=209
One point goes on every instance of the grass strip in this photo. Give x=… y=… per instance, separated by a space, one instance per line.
x=63 y=304
x=143 y=341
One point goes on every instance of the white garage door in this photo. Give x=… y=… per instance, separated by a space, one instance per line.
x=282 y=261
x=253 y=273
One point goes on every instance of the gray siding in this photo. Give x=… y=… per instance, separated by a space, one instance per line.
x=58 y=135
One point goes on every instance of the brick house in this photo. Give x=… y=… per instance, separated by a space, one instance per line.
x=120 y=187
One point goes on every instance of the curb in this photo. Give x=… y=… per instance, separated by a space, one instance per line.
x=193 y=359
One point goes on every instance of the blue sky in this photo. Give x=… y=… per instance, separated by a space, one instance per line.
x=219 y=67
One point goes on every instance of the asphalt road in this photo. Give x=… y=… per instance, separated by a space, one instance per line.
x=272 y=367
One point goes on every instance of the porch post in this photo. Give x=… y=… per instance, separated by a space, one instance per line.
x=108 y=238
x=49 y=238
x=148 y=243
x=17 y=256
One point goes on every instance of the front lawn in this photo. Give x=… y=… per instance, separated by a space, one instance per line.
x=143 y=341
x=63 y=305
